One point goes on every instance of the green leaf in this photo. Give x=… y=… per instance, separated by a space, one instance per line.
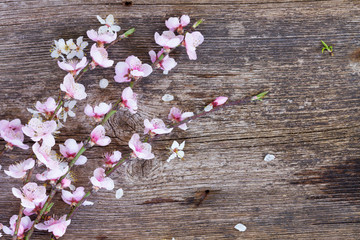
x=325 y=45
x=260 y=96
x=322 y=51
x=129 y=32
x=198 y=23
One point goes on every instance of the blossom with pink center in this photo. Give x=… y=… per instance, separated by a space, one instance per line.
x=176 y=116
x=57 y=227
x=19 y=170
x=38 y=207
x=47 y=108
x=132 y=68
x=54 y=174
x=72 y=198
x=156 y=126
x=129 y=100
x=192 y=41
x=168 y=39
x=166 y=64
x=73 y=66
x=101 y=38
x=70 y=149
x=217 y=102
x=99 y=180
x=109 y=23
x=66 y=183
x=25 y=225
x=45 y=155
x=174 y=23
x=98 y=111
x=98 y=136
x=12 y=133
x=111 y=159
x=37 y=130
x=177 y=150
x=30 y=195
x=140 y=150
x=73 y=89
x=100 y=57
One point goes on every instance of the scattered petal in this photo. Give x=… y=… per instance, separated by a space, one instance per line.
x=240 y=227
x=119 y=193
x=269 y=157
x=103 y=83
x=167 y=98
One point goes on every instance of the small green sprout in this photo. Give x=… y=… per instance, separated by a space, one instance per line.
x=260 y=96
x=327 y=48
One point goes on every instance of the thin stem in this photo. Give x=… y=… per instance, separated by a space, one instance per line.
x=41 y=213
x=121 y=37
x=18 y=222
x=3 y=151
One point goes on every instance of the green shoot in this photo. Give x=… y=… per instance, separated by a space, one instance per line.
x=260 y=96
x=327 y=48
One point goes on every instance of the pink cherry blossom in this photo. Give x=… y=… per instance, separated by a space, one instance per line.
x=168 y=39
x=98 y=111
x=47 y=108
x=25 y=225
x=192 y=41
x=65 y=183
x=37 y=130
x=101 y=38
x=38 y=207
x=53 y=174
x=19 y=170
x=70 y=149
x=111 y=159
x=217 y=102
x=30 y=195
x=140 y=150
x=45 y=155
x=109 y=23
x=100 y=57
x=74 y=197
x=132 y=68
x=176 y=116
x=166 y=64
x=99 y=180
x=156 y=126
x=57 y=227
x=73 y=66
x=129 y=100
x=98 y=136
x=12 y=133
x=174 y=23
x=73 y=89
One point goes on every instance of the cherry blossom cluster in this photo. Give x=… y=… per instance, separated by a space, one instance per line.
x=50 y=116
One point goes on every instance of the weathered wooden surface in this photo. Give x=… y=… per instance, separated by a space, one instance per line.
x=310 y=121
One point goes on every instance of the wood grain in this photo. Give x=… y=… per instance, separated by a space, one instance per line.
x=310 y=121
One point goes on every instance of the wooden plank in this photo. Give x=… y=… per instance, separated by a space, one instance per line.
x=310 y=121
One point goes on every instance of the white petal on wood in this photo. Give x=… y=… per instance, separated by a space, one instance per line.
x=167 y=98
x=269 y=157
x=240 y=227
x=119 y=193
